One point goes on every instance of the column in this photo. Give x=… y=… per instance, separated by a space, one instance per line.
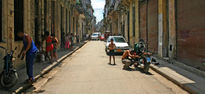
x=172 y=29
x=162 y=34
x=136 y=21
x=131 y=24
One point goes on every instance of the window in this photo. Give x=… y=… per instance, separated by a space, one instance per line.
x=133 y=21
x=1 y=20
x=73 y=24
x=69 y=22
x=62 y=29
x=45 y=15
x=53 y=17
x=119 y=39
x=128 y=24
x=66 y=28
x=36 y=22
x=18 y=17
x=76 y=26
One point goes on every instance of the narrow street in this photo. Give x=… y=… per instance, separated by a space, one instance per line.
x=87 y=72
x=48 y=47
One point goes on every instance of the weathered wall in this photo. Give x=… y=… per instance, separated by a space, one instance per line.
x=136 y=21
x=162 y=29
x=142 y=21
x=29 y=15
x=175 y=28
x=190 y=31
x=7 y=27
x=131 y=36
x=172 y=29
x=153 y=25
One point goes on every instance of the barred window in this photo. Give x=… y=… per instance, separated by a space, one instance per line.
x=18 y=17
x=133 y=21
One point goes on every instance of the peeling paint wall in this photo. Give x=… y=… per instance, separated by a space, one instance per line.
x=153 y=26
x=29 y=27
x=142 y=20
x=191 y=31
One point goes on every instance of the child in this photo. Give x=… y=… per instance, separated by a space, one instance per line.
x=67 y=43
x=49 y=46
x=111 y=48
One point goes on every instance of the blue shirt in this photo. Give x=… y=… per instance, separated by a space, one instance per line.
x=33 y=47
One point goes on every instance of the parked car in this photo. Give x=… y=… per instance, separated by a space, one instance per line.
x=95 y=36
x=102 y=37
x=120 y=42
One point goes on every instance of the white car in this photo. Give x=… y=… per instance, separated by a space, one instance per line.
x=95 y=36
x=120 y=42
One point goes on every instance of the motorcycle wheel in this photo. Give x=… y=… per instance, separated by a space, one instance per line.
x=146 y=68
x=8 y=81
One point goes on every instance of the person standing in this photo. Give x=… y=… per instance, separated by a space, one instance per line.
x=55 y=44
x=29 y=50
x=67 y=43
x=49 y=46
x=71 y=40
x=111 y=48
x=77 y=39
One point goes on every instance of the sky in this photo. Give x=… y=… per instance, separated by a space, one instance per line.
x=98 y=6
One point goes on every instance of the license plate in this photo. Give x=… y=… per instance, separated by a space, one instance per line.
x=148 y=59
x=119 y=50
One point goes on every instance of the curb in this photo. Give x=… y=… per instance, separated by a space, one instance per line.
x=189 y=68
x=153 y=67
x=47 y=69
x=184 y=66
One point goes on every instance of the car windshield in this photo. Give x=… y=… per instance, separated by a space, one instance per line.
x=94 y=34
x=119 y=39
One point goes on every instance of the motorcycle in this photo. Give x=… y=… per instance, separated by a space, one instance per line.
x=143 y=62
x=9 y=76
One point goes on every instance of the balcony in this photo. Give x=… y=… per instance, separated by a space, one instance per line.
x=121 y=5
x=79 y=7
x=117 y=3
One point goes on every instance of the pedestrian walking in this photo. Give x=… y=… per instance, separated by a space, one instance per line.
x=67 y=43
x=111 y=48
x=49 y=47
x=77 y=39
x=29 y=50
x=71 y=40
x=55 y=44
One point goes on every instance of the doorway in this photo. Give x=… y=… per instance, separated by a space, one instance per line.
x=18 y=18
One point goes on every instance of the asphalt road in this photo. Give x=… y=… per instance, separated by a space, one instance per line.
x=87 y=72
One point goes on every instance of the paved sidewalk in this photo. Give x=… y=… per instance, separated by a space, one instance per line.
x=38 y=67
x=185 y=79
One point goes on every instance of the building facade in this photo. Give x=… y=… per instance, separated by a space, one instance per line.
x=34 y=17
x=171 y=28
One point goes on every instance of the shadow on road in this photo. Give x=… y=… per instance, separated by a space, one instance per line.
x=138 y=69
